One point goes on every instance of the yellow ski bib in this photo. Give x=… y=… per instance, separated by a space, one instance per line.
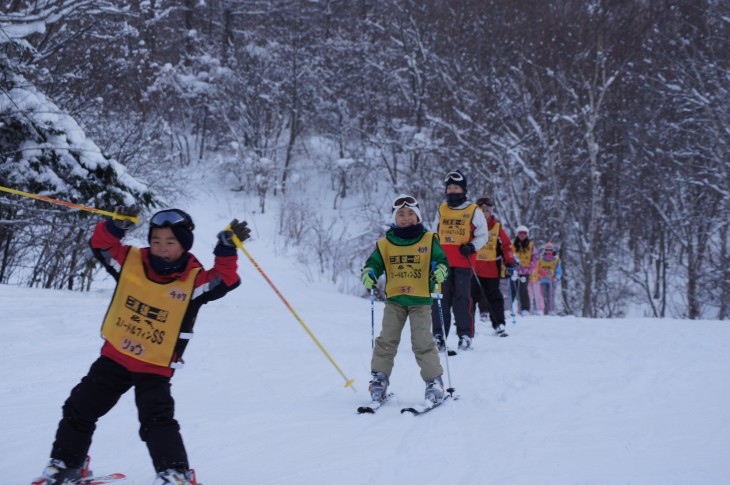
x=524 y=254
x=548 y=266
x=488 y=252
x=407 y=268
x=455 y=225
x=145 y=317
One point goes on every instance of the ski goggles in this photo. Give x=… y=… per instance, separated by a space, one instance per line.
x=170 y=218
x=405 y=201
x=485 y=202
x=455 y=176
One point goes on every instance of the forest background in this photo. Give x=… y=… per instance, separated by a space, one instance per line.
x=601 y=125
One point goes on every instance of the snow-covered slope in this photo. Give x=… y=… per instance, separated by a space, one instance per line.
x=561 y=401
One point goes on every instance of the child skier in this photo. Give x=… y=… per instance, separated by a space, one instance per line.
x=405 y=255
x=527 y=255
x=549 y=271
x=150 y=319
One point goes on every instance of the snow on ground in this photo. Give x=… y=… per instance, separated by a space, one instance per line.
x=562 y=400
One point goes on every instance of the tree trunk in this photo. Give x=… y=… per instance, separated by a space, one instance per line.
x=290 y=147
x=693 y=305
x=293 y=122
x=724 y=312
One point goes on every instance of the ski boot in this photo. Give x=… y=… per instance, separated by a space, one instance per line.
x=438 y=339
x=435 y=390
x=176 y=476
x=464 y=342
x=57 y=473
x=378 y=386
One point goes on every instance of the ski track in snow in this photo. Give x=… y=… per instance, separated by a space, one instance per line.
x=563 y=400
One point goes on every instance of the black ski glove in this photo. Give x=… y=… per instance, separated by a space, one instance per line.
x=239 y=229
x=467 y=249
x=124 y=223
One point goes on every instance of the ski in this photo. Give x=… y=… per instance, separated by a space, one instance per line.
x=112 y=478
x=87 y=477
x=419 y=410
x=373 y=407
x=104 y=479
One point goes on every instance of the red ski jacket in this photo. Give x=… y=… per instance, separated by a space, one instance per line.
x=209 y=285
x=503 y=252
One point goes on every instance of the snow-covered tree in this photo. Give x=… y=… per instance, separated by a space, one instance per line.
x=44 y=151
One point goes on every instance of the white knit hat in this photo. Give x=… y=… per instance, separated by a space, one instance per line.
x=522 y=229
x=404 y=200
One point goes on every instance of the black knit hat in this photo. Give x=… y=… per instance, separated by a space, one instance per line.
x=178 y=221
x=455 y=177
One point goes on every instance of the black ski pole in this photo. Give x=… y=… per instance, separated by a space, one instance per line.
x=511 y=303
x=481 y=290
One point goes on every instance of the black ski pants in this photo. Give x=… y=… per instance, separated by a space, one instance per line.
x=490 y=299
x=519 y=288
x=457 y=297
x=96 y=395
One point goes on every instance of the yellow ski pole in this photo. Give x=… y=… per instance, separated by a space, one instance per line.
x=239 y=244
x=114 y=215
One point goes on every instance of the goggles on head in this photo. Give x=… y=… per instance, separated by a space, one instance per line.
x=455 y=176
x=405 y=201
x=487 y=202
x=170 y=218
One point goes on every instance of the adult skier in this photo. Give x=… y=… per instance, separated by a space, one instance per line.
x=462 y=231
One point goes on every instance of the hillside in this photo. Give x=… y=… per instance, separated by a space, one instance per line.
x=563 y=400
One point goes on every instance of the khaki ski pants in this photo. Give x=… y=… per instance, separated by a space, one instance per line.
x=386 y=345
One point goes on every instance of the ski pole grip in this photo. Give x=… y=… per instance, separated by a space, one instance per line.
x=134 y=219
x=234 y=238
x=436 y=295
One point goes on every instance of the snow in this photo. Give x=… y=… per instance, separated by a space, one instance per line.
x=562 y=400
x=11 y=31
